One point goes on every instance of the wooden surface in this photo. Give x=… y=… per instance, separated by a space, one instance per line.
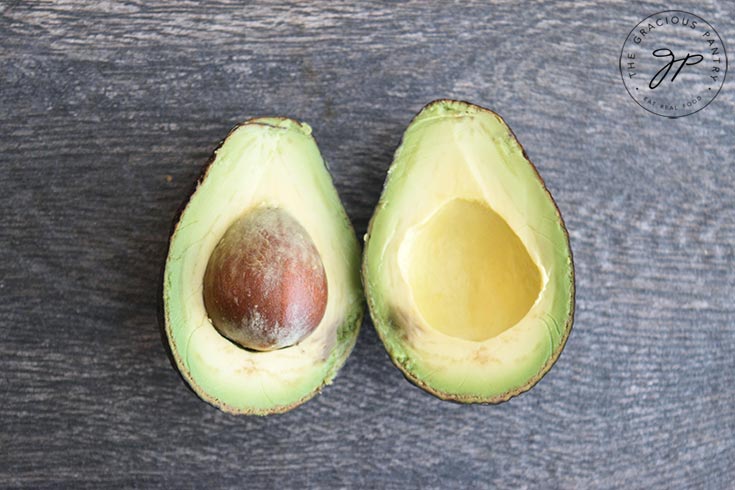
x=107 y=112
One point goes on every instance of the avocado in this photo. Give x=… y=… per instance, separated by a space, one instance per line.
x=262 y=294
x=467 y=267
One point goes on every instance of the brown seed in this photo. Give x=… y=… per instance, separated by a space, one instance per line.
x=265 y=286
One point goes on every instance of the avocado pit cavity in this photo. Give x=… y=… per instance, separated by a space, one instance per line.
x=469 y=274
x=265 y=286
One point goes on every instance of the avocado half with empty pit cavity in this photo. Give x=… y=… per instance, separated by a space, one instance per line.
x=467 y=267
x=262 y=293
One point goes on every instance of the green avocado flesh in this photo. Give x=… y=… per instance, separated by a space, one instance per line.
x=467 y=267
x=263 y=163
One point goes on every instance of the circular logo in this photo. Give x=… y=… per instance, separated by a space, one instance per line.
x=673 y=63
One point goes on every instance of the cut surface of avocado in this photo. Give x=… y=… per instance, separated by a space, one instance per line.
x=467 y=266
x=269 y=163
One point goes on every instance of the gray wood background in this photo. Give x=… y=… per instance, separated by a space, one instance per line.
x=109 y=109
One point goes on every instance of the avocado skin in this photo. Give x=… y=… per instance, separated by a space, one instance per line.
x=570 y=320
x=353 y=321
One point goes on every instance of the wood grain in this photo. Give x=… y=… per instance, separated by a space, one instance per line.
x=109 y=109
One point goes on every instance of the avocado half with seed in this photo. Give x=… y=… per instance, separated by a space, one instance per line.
x=262 y=293
x=467 y=266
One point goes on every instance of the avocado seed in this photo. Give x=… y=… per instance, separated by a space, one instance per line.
x=265 y=286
